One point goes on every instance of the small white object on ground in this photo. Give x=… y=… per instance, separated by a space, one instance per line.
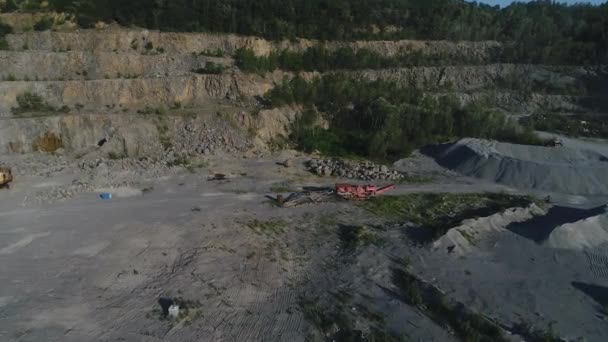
x=174 y=311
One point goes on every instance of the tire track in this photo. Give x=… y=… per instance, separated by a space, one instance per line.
x=598 y=263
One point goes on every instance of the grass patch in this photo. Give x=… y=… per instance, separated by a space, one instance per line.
x=270 y=227
x=437 y=213
x=415 y=179
x=353 y=237
x=210 y=68
x=466 y=324
x=148 y=110
x=338 y=324
x=536 y=335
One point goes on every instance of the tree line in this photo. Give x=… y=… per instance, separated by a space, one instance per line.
x=540 y=31
x=319 y=58
x=383 y=120
x=576 y=125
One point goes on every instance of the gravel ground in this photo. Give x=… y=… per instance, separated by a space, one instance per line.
x=577 y=168
x=77 y=268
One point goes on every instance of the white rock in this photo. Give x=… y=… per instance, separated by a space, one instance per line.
x=174 y=311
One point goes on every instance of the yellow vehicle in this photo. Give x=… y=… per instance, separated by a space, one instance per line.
x=6 y=176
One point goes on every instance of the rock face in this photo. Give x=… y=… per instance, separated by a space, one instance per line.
x=477 y=77
x=126 y=135
x=364 y=170
x=122 y=40
x=98 y=80
x=117 y=94
x=87 y=65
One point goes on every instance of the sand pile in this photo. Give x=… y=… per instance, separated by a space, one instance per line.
x=571 y=169
x=472 y=232
x=587 y=233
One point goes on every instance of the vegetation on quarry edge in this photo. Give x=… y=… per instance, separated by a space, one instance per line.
x=319 y=58
x=576 y=125
x=438 y=213
x=537 y=32
x=364 y=117
x=383 y=120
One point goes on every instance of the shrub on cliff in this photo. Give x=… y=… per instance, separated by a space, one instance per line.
x=537 y=31
x=4 y=30
x=211 y=68
x=384 y=120
x=33 y=103
x=45 y=23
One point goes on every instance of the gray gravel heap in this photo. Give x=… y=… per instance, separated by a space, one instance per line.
x=210 y=139
x=364 y=170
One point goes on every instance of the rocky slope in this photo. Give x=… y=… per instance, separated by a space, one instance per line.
x=86 y=65
x=134 y=93
x=128 y=40
x=129 y=78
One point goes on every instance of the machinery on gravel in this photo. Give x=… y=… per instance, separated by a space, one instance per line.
x=351 y=192
x=360 y=192
x=6 y=177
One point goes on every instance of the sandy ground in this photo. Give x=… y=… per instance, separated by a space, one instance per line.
x=78 y=268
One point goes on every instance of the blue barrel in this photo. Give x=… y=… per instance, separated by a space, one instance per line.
x=105 y=196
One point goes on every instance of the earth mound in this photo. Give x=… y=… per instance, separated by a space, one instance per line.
x=565 y=169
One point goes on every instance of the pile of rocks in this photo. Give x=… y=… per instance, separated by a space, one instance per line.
x=364 y=170
x=211 y=138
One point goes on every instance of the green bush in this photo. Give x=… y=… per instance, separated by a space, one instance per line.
x=9 y=6
x=246 y=60
x=437 y=213
x=211 y=68
x=148 y=110
x=578 y=125
x=536 y=31
x=318 y=58
x=45 y=23
x=4 y=30
x=30 y=103
x=384 y=121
